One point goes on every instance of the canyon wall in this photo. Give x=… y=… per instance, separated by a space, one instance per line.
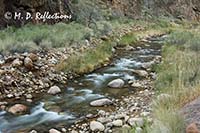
x=183 y=9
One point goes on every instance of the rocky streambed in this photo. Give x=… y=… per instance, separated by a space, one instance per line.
x=115 y=96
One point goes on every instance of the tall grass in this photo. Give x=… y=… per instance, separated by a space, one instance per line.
x=178 y=76
x=89 y=60
x=40 y=36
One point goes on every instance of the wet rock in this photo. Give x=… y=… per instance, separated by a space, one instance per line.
x=17 y=63
x=117 y=123
x=54 y=90
x=28 y=63
x=33 y=131
x=141 y=73
x=18 y=109
x=96 y=126
x=117 y=83
x=54 y=131
x=101 y=102
x=89 y=116
x=136 y=122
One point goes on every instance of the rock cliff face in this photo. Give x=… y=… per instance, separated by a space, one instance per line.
x=189 y=9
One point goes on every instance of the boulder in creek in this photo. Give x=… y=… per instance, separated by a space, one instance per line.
x=141 y=73
x=28 y=63
x=117 y=83
x=96 y=126
x=18 y=109
x=54 y=90
x=101 y=102
x=54 y=131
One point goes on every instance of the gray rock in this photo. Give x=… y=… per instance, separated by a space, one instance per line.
x=109 y=125
x=117 y=83
x=104 y=120
x=54 y=90
x=54 y=131
x=33 y=131
x=64 y=130
x=136 y=122
x=117 y=123
x=28 y=63
x=101 y=102
x=73 y=131
x=96 y=126
x=101 y=113
x=141 y=73
x=17 y=63
x=126 y=126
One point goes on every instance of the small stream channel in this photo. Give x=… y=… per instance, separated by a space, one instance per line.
x=64 y=109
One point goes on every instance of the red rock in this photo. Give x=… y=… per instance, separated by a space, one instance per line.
x=192 y=128
x=33 y=57
x=18 y=109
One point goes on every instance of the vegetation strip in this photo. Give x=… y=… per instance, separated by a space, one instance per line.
x=178 y=80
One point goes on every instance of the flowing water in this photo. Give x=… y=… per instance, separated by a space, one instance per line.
x=68 y=107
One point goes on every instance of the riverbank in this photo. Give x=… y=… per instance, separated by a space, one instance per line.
x=94 y=96
x=35 y=72
x=178 y=83
x=21 y=71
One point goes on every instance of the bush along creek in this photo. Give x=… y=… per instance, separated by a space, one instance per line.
x=113 y=98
